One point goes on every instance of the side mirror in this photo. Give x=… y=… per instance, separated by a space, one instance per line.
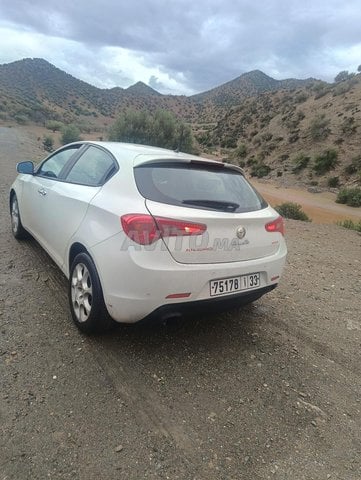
x=25 y=167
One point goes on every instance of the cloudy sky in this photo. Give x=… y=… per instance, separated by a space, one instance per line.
x=183 y=46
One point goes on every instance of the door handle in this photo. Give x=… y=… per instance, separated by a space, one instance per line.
x=42 y=192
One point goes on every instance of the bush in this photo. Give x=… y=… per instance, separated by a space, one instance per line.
x=348 y=126
x=54 y=125
x=350 y=225
x=319 y=128
x=350 y=169
x=241 y=151
x=70 y=133
x=21 y=119
x=301 y=97
x=293 y=211
x=350 y=196
x=333 y=182
x=228 y=142
x=260 y=170
x=343 y=75
x=48 y=143
x=325 y=161
x=300 y=162
x=354 y=166
x=161 y=129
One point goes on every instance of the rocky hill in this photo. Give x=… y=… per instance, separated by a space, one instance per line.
x=303 y=132
x=249 y=84
x=308 y=135
x=35 y=90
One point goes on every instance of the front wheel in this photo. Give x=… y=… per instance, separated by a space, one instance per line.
x=17 y=228
x=86 y=300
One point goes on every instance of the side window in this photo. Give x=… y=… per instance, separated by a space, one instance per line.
x=92 y=168
x=54 y=165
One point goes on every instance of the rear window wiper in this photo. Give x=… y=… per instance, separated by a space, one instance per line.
x=214 y=204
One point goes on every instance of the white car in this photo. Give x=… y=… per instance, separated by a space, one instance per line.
x=145 y=232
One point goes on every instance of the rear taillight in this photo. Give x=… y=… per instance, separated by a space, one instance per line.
x=145 y=229
x=277 y=225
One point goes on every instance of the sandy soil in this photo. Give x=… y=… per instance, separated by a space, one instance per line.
x=270 y=391
x=320 y=207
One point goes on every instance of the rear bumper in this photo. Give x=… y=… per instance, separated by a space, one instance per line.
x=214 y=305
x=137 y=284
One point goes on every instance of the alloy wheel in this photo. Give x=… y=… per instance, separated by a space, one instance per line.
x=81 y=292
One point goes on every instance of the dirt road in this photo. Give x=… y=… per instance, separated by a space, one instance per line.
x=271 y=391
x=320 y=207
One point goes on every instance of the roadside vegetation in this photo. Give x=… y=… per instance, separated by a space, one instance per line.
x=70 y=133
x=350 y=225
x=48 y=143
x=293 y=211
x=161 y=129
x=350 y=196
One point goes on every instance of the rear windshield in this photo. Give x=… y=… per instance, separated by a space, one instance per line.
x=197 y=186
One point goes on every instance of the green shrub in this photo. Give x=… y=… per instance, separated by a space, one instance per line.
x=333 y=182
x=351 y=225
x=160 y=129
x=21 y=119
x=325 y=161
x=241 y=151
x=293 y=138
x=260 y=170
x=293 y=211
x=228 y=142
x=54 y=125
x=70 y=133
x=266 y=136
x=300 y=162
x=350 y=196
x=343 y=75
x=301 y=97
x=251 y=161
x=319 y=128
x=48 y=143
x=354 y=166
x=348 y=126
x=350 y=169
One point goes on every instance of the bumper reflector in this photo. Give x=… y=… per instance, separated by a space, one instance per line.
x=178 y=295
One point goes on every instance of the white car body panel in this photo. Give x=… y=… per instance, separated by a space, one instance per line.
x=219 y=244
x=54 y=216
x=136 y=279
x=147 y=279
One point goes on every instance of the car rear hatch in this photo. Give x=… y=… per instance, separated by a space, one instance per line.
x=214 y=198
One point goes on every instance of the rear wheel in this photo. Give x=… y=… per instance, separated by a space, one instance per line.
x=16 y=226
x=86 y=300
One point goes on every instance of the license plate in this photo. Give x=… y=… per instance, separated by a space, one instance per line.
x=234 y=284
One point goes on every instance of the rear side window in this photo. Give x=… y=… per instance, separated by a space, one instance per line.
x=197 y=186
x=55 y=164
x=93 y=168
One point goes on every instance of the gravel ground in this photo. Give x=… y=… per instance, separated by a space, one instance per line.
x=270 y=391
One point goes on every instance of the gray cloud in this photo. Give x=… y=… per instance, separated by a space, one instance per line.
x=198 y=45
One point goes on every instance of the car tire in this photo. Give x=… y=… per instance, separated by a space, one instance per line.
x=17 y=228
x=86 y=299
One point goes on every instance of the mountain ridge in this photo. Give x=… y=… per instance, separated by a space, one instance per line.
x=279 y=129
x=37 y=84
